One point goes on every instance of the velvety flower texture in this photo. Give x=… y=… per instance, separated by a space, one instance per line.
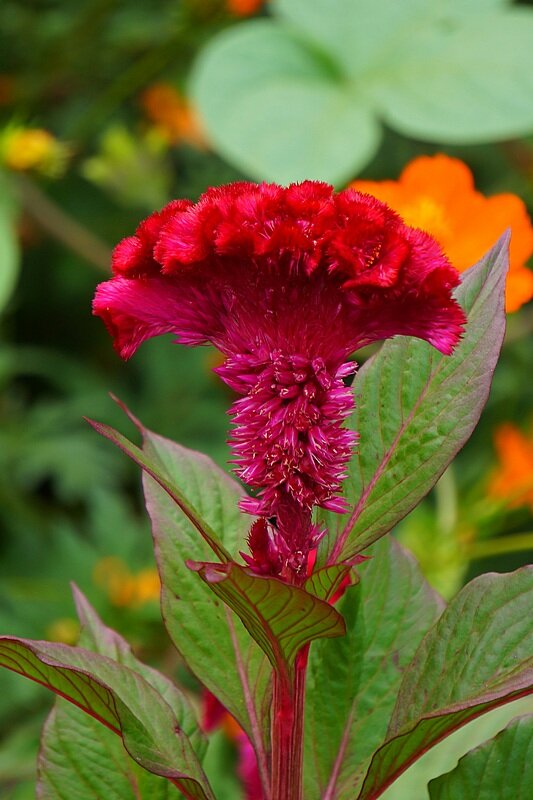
x=287 y=283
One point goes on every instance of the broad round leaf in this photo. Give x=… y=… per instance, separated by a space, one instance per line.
x=279 y=109
x=463 y=81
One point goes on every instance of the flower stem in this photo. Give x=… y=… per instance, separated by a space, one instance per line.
x=287 y=730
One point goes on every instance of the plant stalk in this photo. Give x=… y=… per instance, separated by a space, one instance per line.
x=287 y=730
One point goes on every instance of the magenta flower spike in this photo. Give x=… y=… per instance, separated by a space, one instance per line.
x=287 y=283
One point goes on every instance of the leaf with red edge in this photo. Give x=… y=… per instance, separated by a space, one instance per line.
x=327 y=583
x=477 y=657
x=119 y=698
x=280 y=617
x=160 y=475
x=206 y=633
x=80 y=758
x=415 y=410
x=353 y=681
x=500 y=769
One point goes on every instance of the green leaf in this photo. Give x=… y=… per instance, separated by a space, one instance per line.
x=281 y=618
x=158 y=473
x=416 y=408
x=353 y=681
x=82 y=760
x=476 y=658
x=279 y=109
x=300 y=96
x=209 y=637
x=9 y=248
x=119 y=698
x=468 y=81
x=98 y=638
x=443 y=756
x=367 y=36
x=325 y=582
x=501 y=769
x=79 y=759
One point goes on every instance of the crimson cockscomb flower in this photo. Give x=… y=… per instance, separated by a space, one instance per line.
x=287 y=283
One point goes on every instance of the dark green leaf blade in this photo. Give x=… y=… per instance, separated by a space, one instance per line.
x=281 y=618
x=353 y=681
x=476 y=658
x=9 y=246
x=209 y=637
x=120 y=699
x=416 y=408
x=500 y=769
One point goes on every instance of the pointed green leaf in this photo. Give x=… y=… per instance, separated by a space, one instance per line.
x=79 y=759
x=119 y=698
x=477 y=657
x=98 y=638
x=416 y=408
x=353 y=681
x=325 y=582
x=281 y=618
x=443 y=756
x=280 y=109
x=82 y=760
x=209 y=637
x=157 y=471
x=500 y=769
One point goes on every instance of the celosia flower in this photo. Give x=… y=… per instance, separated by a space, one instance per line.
x=512 y=481
x=437 y=194
x=287 y=283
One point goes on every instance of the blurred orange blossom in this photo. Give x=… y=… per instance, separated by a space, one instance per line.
x=243 y=8
x=513 y=479
x=174 y=117
x=437 y=194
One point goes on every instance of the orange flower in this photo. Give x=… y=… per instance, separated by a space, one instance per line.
x=437 y=194
x=125 y=589
x=513 y=479
x=172 y=115
x=243 y=8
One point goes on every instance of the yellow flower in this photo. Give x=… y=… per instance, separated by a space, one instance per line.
x=24 y=149
x=437 y=194
x=65 y=630
x=512 y=481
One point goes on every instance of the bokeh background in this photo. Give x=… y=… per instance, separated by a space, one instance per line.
x=109 y=109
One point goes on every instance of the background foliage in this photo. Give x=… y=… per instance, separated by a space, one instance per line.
x=109 y=109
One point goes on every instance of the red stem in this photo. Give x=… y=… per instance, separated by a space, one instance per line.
x=287 y=730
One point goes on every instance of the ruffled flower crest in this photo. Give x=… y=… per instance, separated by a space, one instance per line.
x=287 y=283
